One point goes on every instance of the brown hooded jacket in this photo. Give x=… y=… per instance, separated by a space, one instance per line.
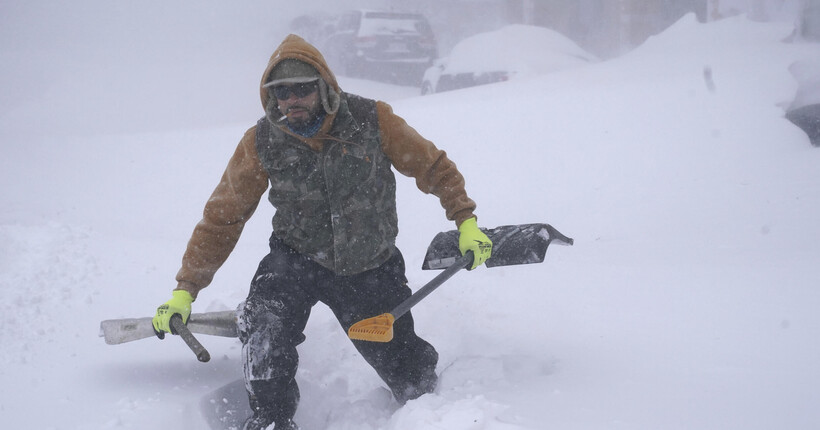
x=245 y=180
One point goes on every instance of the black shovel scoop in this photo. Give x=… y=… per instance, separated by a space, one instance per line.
x=512 y=245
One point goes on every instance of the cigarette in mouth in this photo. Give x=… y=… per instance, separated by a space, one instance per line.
x=284 y=117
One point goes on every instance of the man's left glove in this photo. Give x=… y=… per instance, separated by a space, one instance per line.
x=473 y=239
x=180 y=303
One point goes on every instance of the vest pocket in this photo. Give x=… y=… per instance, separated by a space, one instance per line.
x=353 y=168
x=294 y=180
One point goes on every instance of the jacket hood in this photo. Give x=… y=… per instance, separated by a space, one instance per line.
x=295 y=47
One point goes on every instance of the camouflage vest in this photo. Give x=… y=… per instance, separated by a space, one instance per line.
x=337 y=206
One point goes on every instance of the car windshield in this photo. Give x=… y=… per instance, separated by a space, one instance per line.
x=378 y=23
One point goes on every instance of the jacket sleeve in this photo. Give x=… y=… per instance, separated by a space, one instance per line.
x=232 y=203
x=416 y=157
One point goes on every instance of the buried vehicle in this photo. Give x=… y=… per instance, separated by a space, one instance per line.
x=372 y=42
x=512 y=52
x=804 y=111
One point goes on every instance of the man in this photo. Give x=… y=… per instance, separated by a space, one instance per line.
x=327 y=156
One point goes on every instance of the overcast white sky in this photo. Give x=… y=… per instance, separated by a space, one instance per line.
x=74 y=58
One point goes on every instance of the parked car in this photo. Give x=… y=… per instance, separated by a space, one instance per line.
x=807 y=118
x=364 y=43
x=512 y=52
x=804 y=111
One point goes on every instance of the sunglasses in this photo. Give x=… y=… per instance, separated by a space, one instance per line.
x=283 y=92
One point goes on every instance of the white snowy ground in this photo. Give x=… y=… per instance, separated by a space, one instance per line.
x=690 y=300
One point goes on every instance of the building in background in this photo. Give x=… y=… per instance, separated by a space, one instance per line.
x=808 y=23
x=606 y=28
x=609 y=27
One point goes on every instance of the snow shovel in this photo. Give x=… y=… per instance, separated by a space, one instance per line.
x=213 y=323
x=512 y=245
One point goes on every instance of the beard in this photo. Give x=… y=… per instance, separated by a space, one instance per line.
x=276 y=116
x=302 y=122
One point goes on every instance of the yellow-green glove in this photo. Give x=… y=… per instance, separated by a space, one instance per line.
x=180 y=304
x=470 y=238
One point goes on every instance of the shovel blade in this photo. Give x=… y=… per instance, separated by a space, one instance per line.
x=512 y=245
x=375 y=329
x=222 y=323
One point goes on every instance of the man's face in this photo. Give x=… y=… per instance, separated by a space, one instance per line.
x=299 y=102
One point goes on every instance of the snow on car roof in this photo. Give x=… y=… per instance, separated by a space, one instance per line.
x=519 y=48
x=379 y=22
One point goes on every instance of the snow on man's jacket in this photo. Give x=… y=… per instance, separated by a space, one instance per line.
x=247 y=177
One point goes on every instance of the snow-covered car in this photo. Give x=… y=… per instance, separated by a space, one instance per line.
x=512 y=52
x=804 y=111
x=362 y=42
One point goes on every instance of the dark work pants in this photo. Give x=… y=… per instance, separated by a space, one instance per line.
x=272 y=319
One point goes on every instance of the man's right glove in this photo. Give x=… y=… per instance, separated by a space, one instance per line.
x=180 y=303
x=470 y=238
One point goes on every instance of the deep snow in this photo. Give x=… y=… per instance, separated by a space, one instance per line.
x=690 y=300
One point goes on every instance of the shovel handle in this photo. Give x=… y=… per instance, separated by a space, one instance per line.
x=462 y=262
x=182 y=330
